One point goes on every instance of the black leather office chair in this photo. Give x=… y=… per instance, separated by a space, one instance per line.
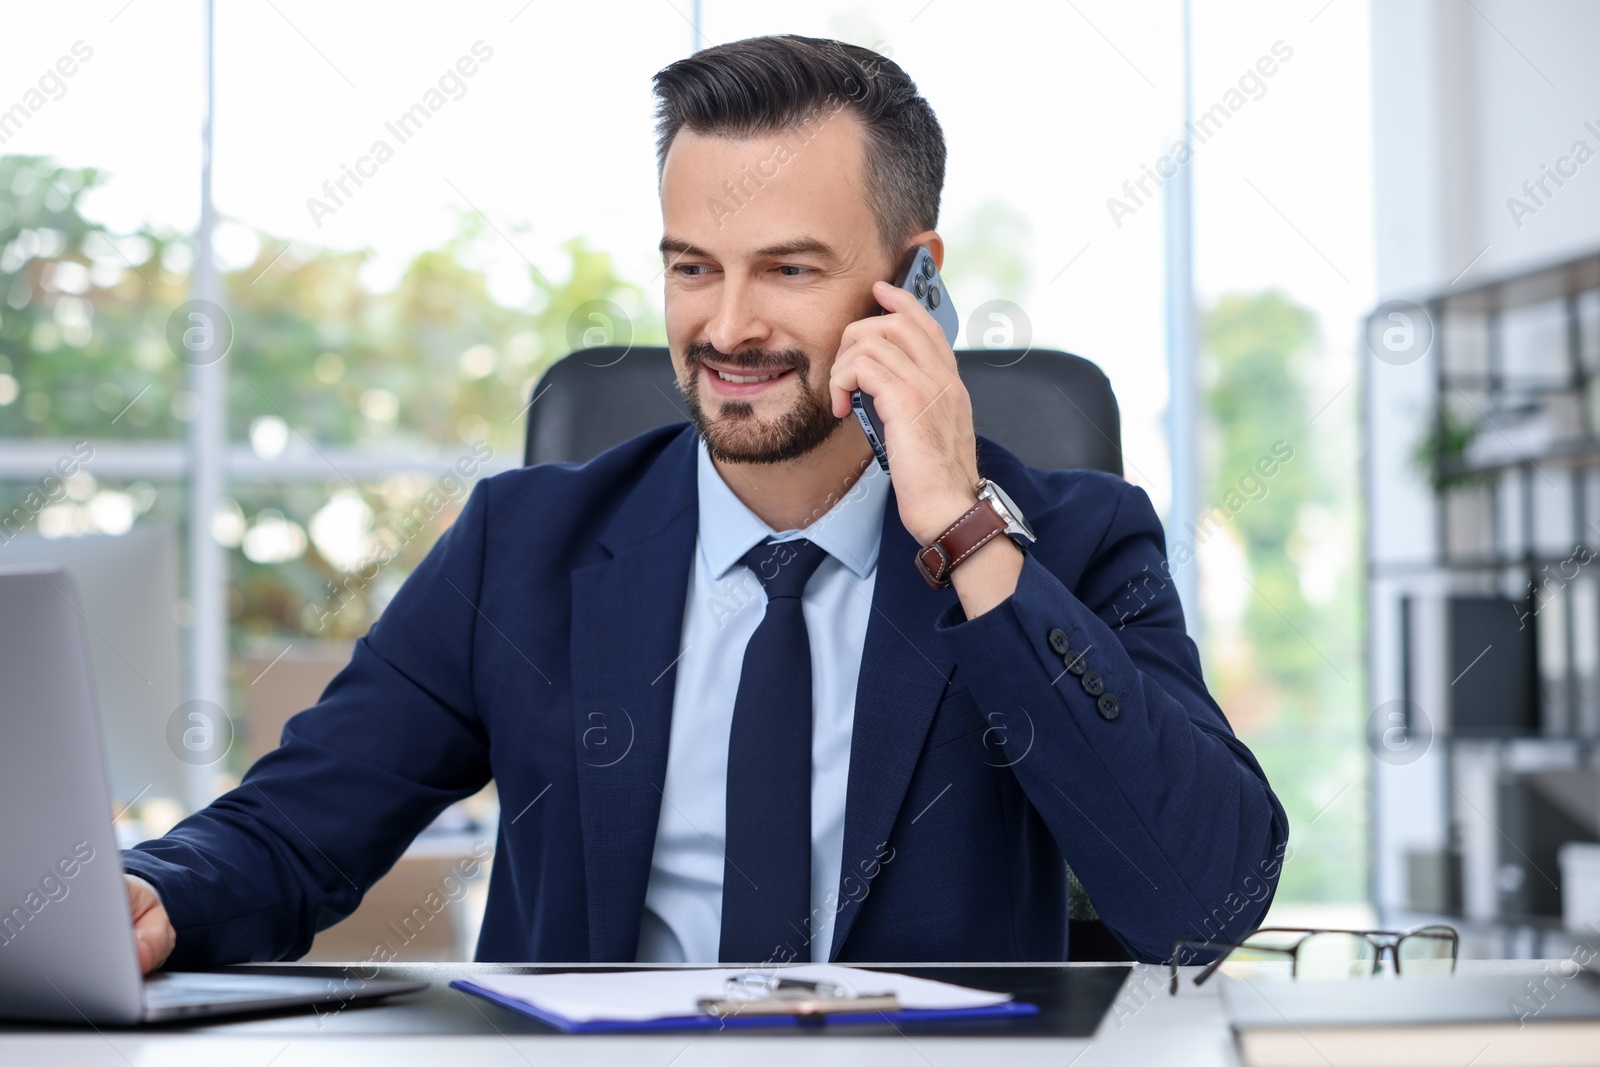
x=1054 y=410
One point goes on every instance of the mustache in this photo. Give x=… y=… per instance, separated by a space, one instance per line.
x=751 y=360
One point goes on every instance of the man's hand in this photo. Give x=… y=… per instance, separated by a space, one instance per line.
x=152 y=931
x=903 y=362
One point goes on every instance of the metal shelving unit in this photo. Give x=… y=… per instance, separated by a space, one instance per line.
x=1517 y=515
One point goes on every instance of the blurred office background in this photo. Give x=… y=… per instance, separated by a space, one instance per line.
x=240 y=502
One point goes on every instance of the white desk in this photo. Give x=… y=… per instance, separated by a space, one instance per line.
x=1146 y=1026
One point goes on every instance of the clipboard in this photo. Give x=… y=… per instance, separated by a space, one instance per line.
x=789 y=1004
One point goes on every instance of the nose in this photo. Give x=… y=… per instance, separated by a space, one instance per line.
x=736 y=324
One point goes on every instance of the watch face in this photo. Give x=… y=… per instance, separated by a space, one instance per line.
x=1013 y=514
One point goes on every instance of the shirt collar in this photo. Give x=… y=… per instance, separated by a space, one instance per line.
x=849 y=531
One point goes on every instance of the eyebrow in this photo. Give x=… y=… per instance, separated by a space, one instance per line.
x=800 y=246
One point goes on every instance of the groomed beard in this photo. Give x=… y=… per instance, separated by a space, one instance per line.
x=737 y=434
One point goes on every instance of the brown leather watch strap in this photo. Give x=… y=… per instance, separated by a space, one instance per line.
x=980 y=525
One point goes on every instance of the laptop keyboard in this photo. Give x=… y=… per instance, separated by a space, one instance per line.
x=177 y=990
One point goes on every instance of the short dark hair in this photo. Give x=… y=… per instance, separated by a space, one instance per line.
x=761 y=84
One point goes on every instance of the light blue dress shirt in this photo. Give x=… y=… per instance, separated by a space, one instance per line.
x=683 y=904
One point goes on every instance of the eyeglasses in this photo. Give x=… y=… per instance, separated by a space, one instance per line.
x=1329 y=954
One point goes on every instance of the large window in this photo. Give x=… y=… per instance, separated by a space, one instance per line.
x=416 y=213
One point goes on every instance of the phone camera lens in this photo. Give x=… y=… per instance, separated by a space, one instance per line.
x=933 y=296
x=920 y=287
x=927 y=267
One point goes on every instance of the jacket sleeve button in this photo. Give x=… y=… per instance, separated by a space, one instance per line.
x=1058 y=641
x=1108 y=707
x=1092 y=684
x=1074 y=662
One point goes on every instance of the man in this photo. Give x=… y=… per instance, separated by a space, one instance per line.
x=731 y=717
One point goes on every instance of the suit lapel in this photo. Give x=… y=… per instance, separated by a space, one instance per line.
x=627 y=623
x=904 y=669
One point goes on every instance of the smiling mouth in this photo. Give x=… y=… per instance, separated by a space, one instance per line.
x=747 y=379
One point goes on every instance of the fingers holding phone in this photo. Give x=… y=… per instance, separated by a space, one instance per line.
x=901 y=364
x=918 y=276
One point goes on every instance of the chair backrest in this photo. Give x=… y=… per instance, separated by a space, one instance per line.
x=1054 y=410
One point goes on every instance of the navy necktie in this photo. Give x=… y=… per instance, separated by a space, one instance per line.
x=766 y=871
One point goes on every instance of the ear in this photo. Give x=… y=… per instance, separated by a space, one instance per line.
x=934 y=242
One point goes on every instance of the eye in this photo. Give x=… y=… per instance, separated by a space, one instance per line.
x=794 y=271
x=688 y=270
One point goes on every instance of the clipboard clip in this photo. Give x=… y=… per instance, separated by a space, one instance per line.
x=761 y=994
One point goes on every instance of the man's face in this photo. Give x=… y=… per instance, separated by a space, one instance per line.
x=770 y=251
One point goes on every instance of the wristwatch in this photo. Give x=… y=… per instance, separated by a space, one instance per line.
x=994 y=514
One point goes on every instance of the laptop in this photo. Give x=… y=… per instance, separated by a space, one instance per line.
x=67 y=951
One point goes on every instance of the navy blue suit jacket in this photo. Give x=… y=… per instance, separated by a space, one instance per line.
x=554 y=605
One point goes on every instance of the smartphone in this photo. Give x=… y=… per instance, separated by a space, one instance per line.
x=920 y=277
